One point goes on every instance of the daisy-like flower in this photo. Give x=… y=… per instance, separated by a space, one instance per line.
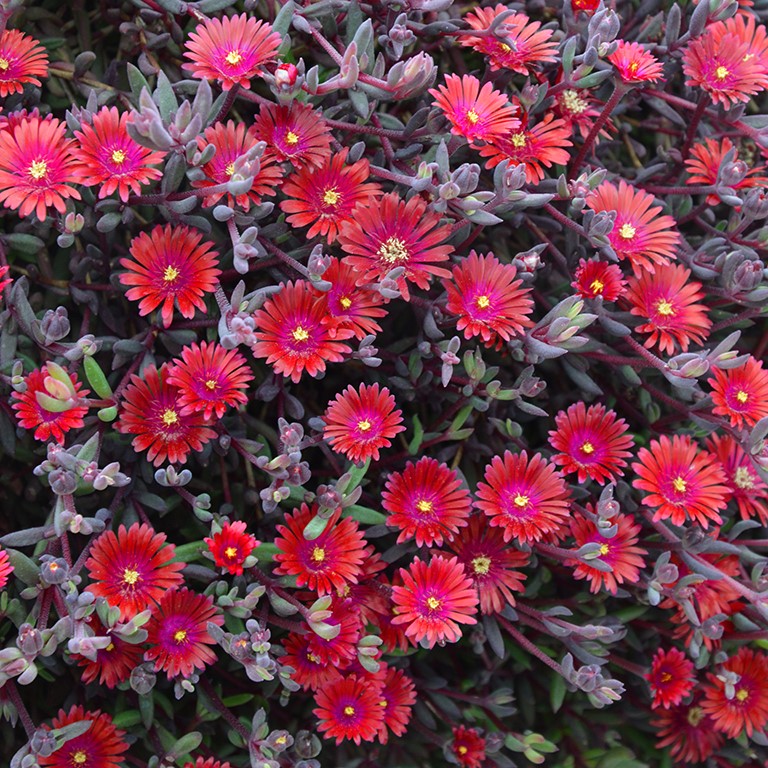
x=231 y=50
x=426 y=502
x=132 y=569
x=747 y=28
x=527 y=498
x=639 y=234
x=490 y=562
x=101 y=746
x=746 y=486
x=358 y=423
x=207 y=762
x=435 y=598
x=577 y=107
x=210 y=379
x=324 y=563
x=682 y=481
x=667 y=301
x=171 y=265
x=232 y=141
x=741 y=394
x=177 y=633
x=323 y=197
x=619 y=551
x=595 y=278
x=393 y=233
x=704 y=166
x=398 y=695
x=349 y=708
x=113 y=665
x=722 y=66
x=592 y=442
x=295 y=133
x=534 y=146
x=634 y=64
x=107 y=155
x=487 y=299
x=671 y=678
x=747 y=708
x=231 y=546
x=688 y=732
x=523 y=46
x=347 y=305
x=22 y=61
x=586 y=6
x=37 y=167
x=339 y=651
x=477 y=114
x=49 y=424
x=291 y=334
x=310 y=670
x=467 y=746
x=152 y=412
x=6 y=569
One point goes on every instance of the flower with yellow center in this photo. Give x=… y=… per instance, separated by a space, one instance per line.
x=230 y=169
x=695 y=716
x=393 y=250
x=462 y=750
x=118 y=157
x=331 y=196
x=318 y=555
x=664 y=308
x=345 y=302
x=38 y=169
x=596 y=286
x=518 y=140
x=291 y=138
x=481 y=565
x=300 y=334
x=520 y=501
x=170 y=417
x=170 y=274
x=131 y=576
x=180 y=636
x=627 y=231
x=230 y=552
x=742 y=396
x=679 y=484
x=742 y=694
x=349 y=710
x=604 y=549
x=721 y=73
x=472 y=116
x=433 y=603
x=210 y=385
x=573 y=102
x=233 y=58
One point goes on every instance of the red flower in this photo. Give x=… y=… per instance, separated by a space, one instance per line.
x=172 y=266
x=326 y=196
x=232 y=141
x=291 y=334
x=178 y=635
x=358 y=423
x=618 y=551
x=49 y=384
x=210 y=379
x=208 y=762
x=231 y=50
x=341 y=651
x=688 y=732
x=592 y=442
x=741 y=393
x=667 y=301
x=311 y=671
x=528 y=499
x=588 y=6
x=326 y=562
x=577 y=108
x=671 y=678
x=133 y=569
x=468 y=746
x=295 y=133
x=682 y=482
x=392 y=233
x=36 y=167
x=435 y=598
x=113 y=665
x=639 y=234
x=490 y=563
x=595 y=278
x=21 y=59
x=349 y=708
x=745 y=485
x=474 y=112
x=747 y=708
x=231 y=546
x=347 y=306
x=152 y=412
x=522 y=46
x=107 y=155
x=398 y=696
x=634 y=64
x=487 y=299
x=544 y=144
x=101 y=746
x=6 y=569
x=427 y=502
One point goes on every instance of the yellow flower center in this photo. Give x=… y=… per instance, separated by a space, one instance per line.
x=520 y=501
x=210 y=385
x=665 y=308
x=462 y=750
x=604 y=549
x=300 y=334
x=424 y=506
x=597 y=286
x=665 y=677
x=695 y=716
x=393 y=250
x=588 y=448
x=633 y=66
x=518 y=140
x=179 y=636
x=318 y=555
x=505 y=48
x=472 y=116
x=38 y=169
x=345 y=302
x=742 y=694
x=4 y=64
x=170 y=274
x=743 y=479
x=331 y=196
x=170 y=417
x=313 y=658
x=230 y=552
x=481 y=564
x=433 y=603
x=573 y=102
x=483 y=302
x=627 y=231
x=110 y=647
x=742 y=396
x=230 y=169
x=233 y=58
x=364 y=425
x=130 y=576
x=721 y=73
x=118 y=157
x=679 y=484
x=280 y=740
x=349 y=710
x=79 y=757
x=291 y=138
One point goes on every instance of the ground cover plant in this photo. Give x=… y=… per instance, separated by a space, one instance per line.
x=383 y=384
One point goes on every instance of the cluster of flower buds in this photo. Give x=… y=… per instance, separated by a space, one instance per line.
x=287 y=468
x=20 y=662
x=589 y=678
x=274 y=749
x=558 y=331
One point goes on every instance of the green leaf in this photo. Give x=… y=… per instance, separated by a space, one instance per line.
x=186 y=552
x=186 y=743
x=165 y=97
x=23 y=568
x=315 y=527
x=418 y=436
x=137 y=81
x=282 y=22
x=28 y=245
x=557 y=692
x=96 y=378
x=127 y=719
x=238 y=699
x=354 y=20
x=365 y=515
x=356 y=475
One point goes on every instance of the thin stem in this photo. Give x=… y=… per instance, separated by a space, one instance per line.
x=16 y=700
x=223 y=709
x=229 y=100
x=693 y=126
x=525 y=643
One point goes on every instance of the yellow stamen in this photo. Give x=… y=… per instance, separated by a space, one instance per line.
x=345 y=302
x=210 y=385
x=597 y=286
x=118 y=157
x=230 y=552
x=679 y=484
x=505 y=48
x=331 y=196
x=742 y=396
x=424 y=506
x=472 y=116
x=79 y=757
x=130 y=576
x=364 y=425
x=393 y=250
x=483 y=302
x=627 y=231
x=481 y=564
x=665 y=677
x=433 y=603
x=233 y=58
x=318 y=555
x=520 y=501
x=518 y=140
x=721 y=73
x=300 y=334
x=462 y=750
x=604 y=549
x=665 y=308
x=38 y=169
x=742 y=694
x=314 y=659
x=573 y=102
x=170 y=417
x=349 y=710
x=170 y=274
x=695 y=716
x=230 y=169
x=4 y=64
x=179 y=636
x=743 y=479
x=110 y=647
x=291 y=138
x=588 y=448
